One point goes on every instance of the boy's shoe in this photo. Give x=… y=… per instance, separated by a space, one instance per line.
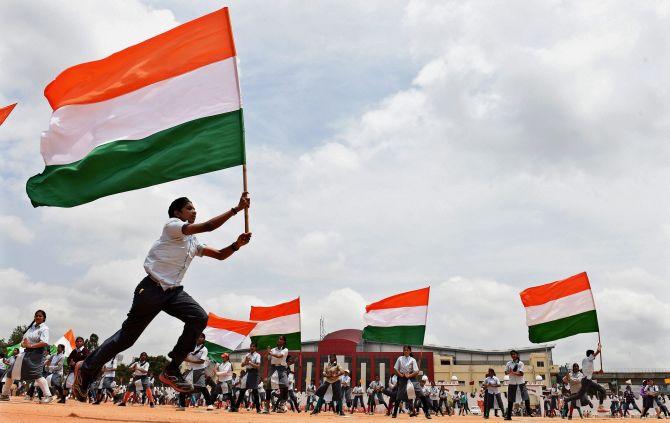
x=176 y=381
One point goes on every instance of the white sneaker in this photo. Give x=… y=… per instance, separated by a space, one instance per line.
x=46 y=399
x=210 y=407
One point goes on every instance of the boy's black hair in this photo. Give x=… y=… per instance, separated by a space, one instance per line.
x=589 y=352
x=177 y=204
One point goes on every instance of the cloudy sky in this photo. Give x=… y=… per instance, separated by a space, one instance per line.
x=478 y=147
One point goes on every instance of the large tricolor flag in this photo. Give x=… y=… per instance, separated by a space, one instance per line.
x=67 y=340
x=400 y=319
x=560 y=309
x=280 y=319
x=5 y=111
x=224 y=335
x=161 y=110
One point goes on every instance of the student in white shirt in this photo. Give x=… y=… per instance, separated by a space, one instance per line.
x=358 y=397
x=492 y=387
x=658 y=399
x=224 y=372
x=161 y=290
x=574 y=379
x=55 y=367
x=391 y=391
x=330 y=383
x=250 y=363
x=292 y=398
x=310 y=393
x=378 y=392
x=140 y=380
x=444 y=400
x=406 y=368
x=35 y=342
x=197 y=361
x=588 y=385
x=345 y=381
x=517 y=385
x=277 y=357
x=107 y=382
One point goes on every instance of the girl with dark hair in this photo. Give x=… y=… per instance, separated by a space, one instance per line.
x=79 y=353
x=278 y=367
x=30 y=363
x=407 y=369
x=492 y=392
x=140 y=382
x=161 y=290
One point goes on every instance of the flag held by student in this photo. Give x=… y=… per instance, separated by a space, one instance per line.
x=5 y=111
x=68 y=342
x=560 y=309
x=161 y=110
x=280 y=319
x=225 y=335
x=399 y=319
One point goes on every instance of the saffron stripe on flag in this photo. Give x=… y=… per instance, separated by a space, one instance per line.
x=552 y=291
x=417 y=297
x=197 y=43
x=5 y=111
x=196 y=147
x=279 y=310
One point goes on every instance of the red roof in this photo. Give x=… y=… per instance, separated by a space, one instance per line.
x=351 y=335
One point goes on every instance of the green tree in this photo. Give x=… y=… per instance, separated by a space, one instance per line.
x=156 y=366
x=17 y=335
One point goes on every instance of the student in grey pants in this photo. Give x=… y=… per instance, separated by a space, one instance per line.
x=161 y=290
x=517 y=385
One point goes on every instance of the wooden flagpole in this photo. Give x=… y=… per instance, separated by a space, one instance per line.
x=600 y=355
x=246 y=193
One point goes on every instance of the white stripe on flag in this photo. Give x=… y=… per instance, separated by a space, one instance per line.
x=557 y=309
x=401 y=316
x=74 y=131
x=225 y=338
x=278 y=325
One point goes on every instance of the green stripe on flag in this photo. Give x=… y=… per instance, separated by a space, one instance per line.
x=214 y=351
x=264 y=341
x=562 y=328
x=408 y=335
x=192 y=148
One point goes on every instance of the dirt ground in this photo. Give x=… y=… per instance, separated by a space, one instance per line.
x=20 y=411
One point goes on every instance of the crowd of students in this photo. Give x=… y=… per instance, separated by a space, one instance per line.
x=36 y=374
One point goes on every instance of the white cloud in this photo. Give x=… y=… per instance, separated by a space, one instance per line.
x=13 y=228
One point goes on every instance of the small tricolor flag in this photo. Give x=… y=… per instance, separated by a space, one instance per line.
x=5 y=111
x=560 y=309
x=280 y=319
x=161 y=110
x=400 y=319
x=225 y=335
x=68 y=341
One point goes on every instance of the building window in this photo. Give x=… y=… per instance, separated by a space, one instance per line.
x=445 y=362
x=540 y=364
